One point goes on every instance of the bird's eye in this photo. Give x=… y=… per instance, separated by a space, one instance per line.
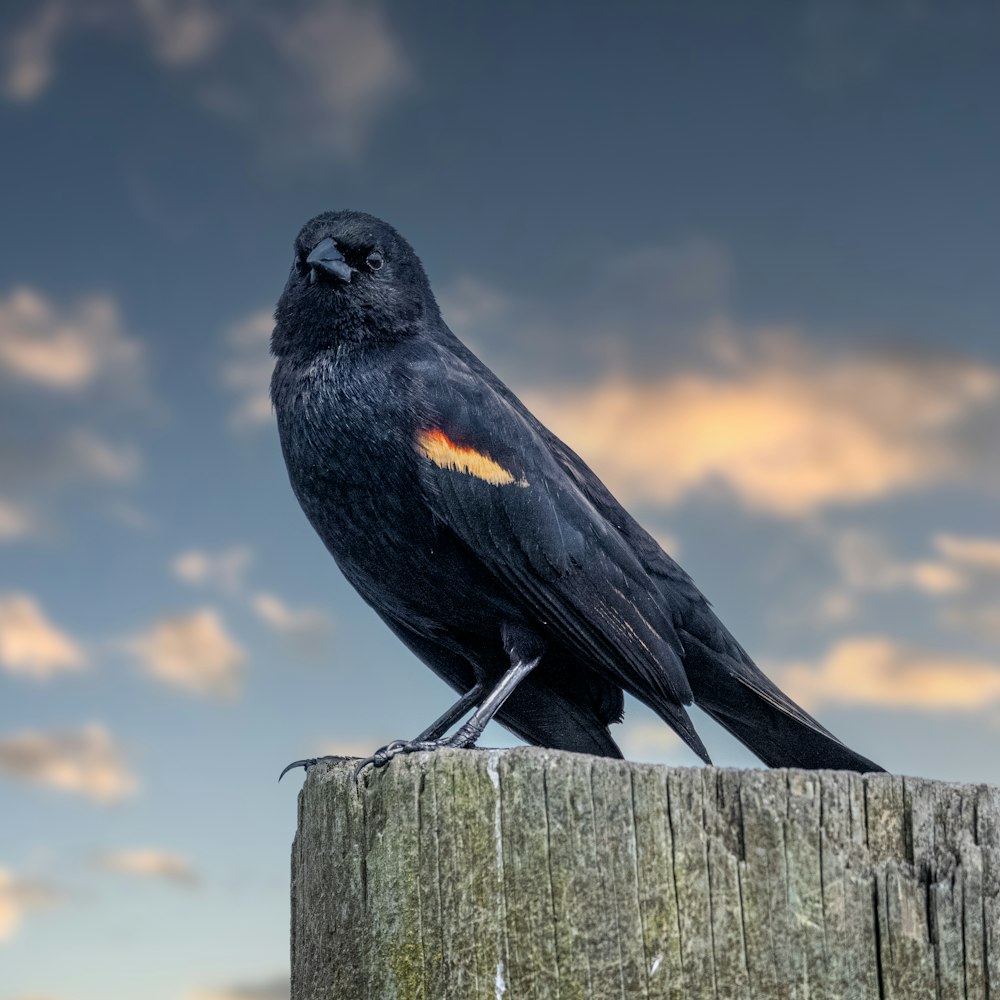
x=374 y=260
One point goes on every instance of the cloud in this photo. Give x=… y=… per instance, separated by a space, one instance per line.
x=309 y=625
x=782 y=429
x=306 y=78
x=29 y=52
x=30 y=645
x=84 y=761
x=878 y=671
x=962 y=576
x=340 y=67
x=225 y=569
x=20 y=896
x=247 y=373
x=630 y=309
x=150 y=863
x=973 y=553
x=65 y=350
x=192 y=652
x=270 y=989
x=16 y=522
x=180 y=32
x=65 y=372
x=866 y=564
x=100 y=459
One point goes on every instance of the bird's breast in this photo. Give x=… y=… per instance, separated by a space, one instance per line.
x=347 y=436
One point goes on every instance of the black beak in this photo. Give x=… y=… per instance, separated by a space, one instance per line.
x=327 y=258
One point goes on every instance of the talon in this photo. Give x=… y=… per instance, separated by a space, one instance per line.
x=306 y=763
x=361 y=766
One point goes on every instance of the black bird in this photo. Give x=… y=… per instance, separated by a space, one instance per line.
x=482 y=540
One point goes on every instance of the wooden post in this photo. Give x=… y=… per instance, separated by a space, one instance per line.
x=528 y=874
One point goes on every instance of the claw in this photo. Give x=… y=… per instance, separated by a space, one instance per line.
x=465 y=737
x=306 y=763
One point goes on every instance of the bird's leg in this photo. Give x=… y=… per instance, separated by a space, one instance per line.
x=467 y=735
x=440 y=726
x=432 y=732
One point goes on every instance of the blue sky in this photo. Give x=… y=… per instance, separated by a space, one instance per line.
x=743 y=261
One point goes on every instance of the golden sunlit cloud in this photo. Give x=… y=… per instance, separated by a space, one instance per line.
x=783 y=430
x=150 y=863
x=30 y=645
x=83 y=761
x=878 y=671
x=192 y=652
x=225 y=569
x=20 y=896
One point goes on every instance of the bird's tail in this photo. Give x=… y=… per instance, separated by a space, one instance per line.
x=729 y=686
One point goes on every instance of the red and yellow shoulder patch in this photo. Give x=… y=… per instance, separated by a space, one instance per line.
x=435 y=445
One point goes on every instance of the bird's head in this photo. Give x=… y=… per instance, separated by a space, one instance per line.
x=353 y=278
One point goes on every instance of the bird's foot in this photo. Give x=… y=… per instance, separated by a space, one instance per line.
x=307 y=763
x=464 y=737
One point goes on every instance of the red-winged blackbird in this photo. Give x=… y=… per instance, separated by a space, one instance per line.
x=481 y=539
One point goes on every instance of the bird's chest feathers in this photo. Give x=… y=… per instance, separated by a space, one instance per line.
x=345 y=430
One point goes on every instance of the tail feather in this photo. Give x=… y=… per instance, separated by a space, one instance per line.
x=731 y=688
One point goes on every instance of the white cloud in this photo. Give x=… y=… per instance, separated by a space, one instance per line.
x=309 y=625
x=225 y=569
x=20 y=896
x=784 y=430
x=878 y=671
x=192 y=652
x=16 y=521
x=30 y=645
x=270 y=989
x=65 y=350
x=84 y=761
x=247 y=373
x=150 y=863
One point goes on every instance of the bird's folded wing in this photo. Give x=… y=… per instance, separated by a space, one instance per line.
x=490 y=477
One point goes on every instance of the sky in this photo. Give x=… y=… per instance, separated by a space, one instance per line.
x=742 y=258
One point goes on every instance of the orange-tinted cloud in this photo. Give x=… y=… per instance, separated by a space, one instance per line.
x=63 y=350
x=84 y=761
x=20 y=896
x=878 y=671
x=151 y=863
x=193 y=652
x=30 y=645
x=783 y=429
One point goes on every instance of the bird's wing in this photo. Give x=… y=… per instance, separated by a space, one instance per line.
x=489 y=476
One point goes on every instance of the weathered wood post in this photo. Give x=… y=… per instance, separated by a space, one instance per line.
x=523 y=874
